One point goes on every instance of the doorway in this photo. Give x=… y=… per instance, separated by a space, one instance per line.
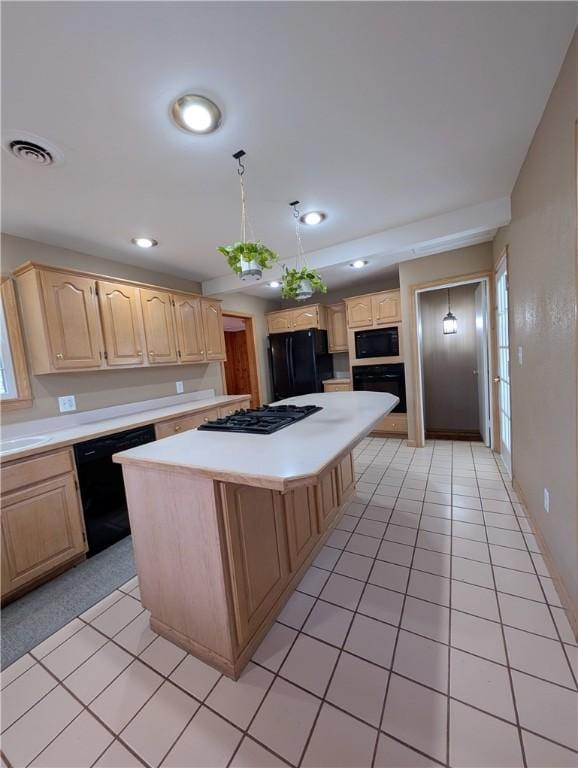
x=240 y=373
x=453 y=353
x=503 y=354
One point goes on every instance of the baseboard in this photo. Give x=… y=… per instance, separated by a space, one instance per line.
x=569 y=604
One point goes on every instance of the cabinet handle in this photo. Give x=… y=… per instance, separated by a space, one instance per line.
x=178 y=427
x=139 y=353
x=151 y=353
x=59 y=356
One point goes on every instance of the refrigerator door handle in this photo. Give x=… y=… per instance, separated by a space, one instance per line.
x=290 y=362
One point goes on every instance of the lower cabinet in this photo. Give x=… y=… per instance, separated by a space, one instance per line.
x=300 y=513
x=42 y=525
x=257 y=553
x=395 y=423
x=184 y=423
x=327 y=497
x=346 y=476
x=227 y=410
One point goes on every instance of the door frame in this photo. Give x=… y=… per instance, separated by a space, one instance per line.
x=254 y=368
x=503 y=259
x=415 y=343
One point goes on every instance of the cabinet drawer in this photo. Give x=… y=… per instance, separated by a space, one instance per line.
x=28 y=471
x=395 y=422
x=227 y=410
x=336 y=387
x=184 y=423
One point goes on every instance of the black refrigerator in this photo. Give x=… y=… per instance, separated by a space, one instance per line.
x=300 y=362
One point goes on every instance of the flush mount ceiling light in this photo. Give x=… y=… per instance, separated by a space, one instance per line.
x=358 y=264
x=274 y=284
x=144 y=242
x=196 y=114
x=312 y=218
x=450 y=320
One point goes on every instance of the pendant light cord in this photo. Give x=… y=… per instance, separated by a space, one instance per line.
x=300 y=260
x=449 y=307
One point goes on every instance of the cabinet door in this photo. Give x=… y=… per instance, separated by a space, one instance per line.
x=159 y=327
x=301 y=524
x=280 y=322
x=359 y=312
x=122 y=323
x=307 y=317
x=257 y=554
x=337 y=329
x=189 y=323
x=41 y=530
x=386 y=307
x=345 y=476
x=72 y=320
x=214 y=334
x=327 y=498
x=346 y=387
x=184 y=423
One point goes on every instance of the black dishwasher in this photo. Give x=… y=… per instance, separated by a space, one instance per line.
x=102 y=487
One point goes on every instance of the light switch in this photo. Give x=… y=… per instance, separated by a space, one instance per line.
x=67 y=403
x=180 y=387
x=520 y=355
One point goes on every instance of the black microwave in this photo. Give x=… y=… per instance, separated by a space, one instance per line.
x=381 y=342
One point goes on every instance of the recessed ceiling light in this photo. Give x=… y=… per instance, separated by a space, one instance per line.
x=359 y=264
x=196 y=114
x=144 y=242
x=312 y=218
x=274 y=284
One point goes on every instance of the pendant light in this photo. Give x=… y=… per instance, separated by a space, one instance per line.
x=450 y=320
x=300 y=282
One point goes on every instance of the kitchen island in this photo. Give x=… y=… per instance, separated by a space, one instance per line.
x=225 y=524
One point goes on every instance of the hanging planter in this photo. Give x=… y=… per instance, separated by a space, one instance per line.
x=247 y=259
x=300 y=282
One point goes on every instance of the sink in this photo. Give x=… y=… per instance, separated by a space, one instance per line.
x=21 y=443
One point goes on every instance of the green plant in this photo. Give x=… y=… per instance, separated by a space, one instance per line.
x=240 y=251
x=292 y=278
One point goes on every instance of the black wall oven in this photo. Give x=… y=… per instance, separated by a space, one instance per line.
x=382 y=378
x=380 y=342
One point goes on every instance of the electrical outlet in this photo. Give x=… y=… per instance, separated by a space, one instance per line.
x=546 y=500
x=180 y=387
x=520 y=355
x=67 y=403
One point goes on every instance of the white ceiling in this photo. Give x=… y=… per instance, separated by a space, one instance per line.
x=380 y=114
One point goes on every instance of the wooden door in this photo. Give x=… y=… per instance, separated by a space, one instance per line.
x=359 y=312
x=306 y=317
x=41 y=529
x=189 y=324
x=280 y=322
x=386 y=307
x=72 y=320
x=159 y=327
x=257 y=554
x=213 y=329
x=337 y=329
x=327 y=498
x=121 y=323
x=301 y=524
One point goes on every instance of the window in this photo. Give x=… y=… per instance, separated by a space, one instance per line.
x=14 y=382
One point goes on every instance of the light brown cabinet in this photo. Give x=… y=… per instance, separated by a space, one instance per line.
x=227 y=410
x=327 y=497
x=337 y=385
x=184 y=423
x=121 y=323
x=42 y=525
x=256 y=547
x=301 y=524
x=74 y=320
x=189 y=326
x=336 y=328
x=159 y=326
x=213 y=329
x=287 y=320
x=373 y=309
x=394 y=423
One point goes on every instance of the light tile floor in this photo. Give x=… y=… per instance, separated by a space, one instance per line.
x=426 y=632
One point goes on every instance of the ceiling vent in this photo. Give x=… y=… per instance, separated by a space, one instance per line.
x=32 y=149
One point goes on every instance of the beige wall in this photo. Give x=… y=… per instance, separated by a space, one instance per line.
x=541 y=242
x=449 y=264
x=102 y=388
x=376 y=283
x=253 y=305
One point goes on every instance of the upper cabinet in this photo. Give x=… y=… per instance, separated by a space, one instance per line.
x=60 y=315
x=213 y=329
x=336 y=328
x=77 y=321
x=374 y=309
x=121 y=323
x=159 y=326
x=288 y=320
x=189 y=325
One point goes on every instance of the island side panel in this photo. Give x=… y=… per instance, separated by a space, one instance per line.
x=175 y=529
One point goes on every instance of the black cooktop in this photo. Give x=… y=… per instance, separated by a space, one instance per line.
x=261 y=421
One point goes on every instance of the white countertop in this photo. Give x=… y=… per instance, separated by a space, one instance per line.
x=106 y=426
x=292 y=456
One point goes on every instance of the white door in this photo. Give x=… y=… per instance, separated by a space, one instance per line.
x=505 y=416
x=482 y=371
